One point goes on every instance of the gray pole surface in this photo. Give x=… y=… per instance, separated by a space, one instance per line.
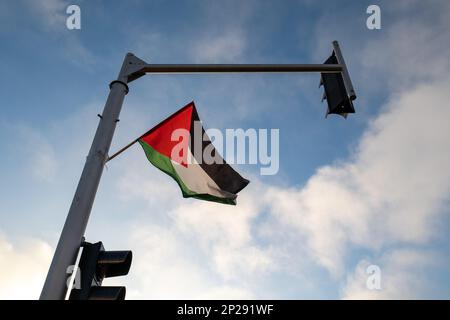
x=71 y=237
x=345 y=76
x=240 y=68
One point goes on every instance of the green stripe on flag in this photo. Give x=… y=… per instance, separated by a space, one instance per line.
x=164 y=164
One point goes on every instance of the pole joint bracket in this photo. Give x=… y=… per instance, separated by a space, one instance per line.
x=121 y=82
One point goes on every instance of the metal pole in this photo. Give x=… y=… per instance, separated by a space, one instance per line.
x=345 y=75
x=246 y=68
x=77 y=218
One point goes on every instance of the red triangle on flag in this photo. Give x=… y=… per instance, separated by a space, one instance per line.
x=160 y=137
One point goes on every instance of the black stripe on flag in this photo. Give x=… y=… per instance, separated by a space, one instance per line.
x=223 y=174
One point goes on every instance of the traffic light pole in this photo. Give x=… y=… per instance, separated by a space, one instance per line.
x=132 y=68
x=71 y=237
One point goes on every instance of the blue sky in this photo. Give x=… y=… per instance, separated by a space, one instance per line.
x=372 y=189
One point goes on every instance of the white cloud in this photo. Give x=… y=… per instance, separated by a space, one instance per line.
x=412 y=51
x=51 y=16
x=23 y=268
x=399 y=276
x=226 y=235
x=197 y=249
x=164 y=268
x=218 y=35
x=37 y=152
x=393 y=189
x=221 y=47
x=52 y=13
x=39 y=149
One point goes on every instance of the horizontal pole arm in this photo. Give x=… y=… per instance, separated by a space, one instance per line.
x=245 y=68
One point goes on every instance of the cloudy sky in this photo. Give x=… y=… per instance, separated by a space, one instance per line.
x=370 y=190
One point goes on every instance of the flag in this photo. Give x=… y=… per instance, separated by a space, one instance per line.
x=180 y=147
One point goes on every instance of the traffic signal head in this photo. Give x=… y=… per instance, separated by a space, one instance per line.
x=97 y=264
x=338 y=90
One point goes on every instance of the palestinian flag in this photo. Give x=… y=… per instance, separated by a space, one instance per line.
x=174 y=146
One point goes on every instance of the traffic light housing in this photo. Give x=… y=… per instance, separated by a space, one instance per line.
x=338 y=89
x=97 y=264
